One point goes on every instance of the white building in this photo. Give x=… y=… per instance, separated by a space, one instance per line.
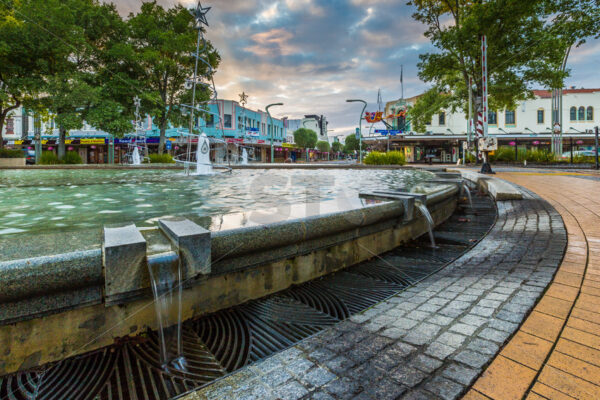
x=317 y=123
x=580 y=108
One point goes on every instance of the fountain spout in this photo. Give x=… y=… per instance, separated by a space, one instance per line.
x=465 y=189
x=244 y=157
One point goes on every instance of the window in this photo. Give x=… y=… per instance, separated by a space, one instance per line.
x=263 y=127
x=210 y=120
x=227 y=119
x=581 y=114
x=590 y=113
x=540 y=116
x=510 y=117
x=442 y=119
x=428 y=123
x=492 y=118
x=573 y=114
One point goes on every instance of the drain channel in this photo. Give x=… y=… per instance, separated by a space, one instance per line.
x=225 y=341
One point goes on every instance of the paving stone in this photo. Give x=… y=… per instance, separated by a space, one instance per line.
x=322 y=354
x=405 y=323
x=400 y=349
x=418 y=395
x=339 y=364
x=299 y=366
x=439 y=350
x=393 y=333
x=422 y=334
x=440 y=320
x=386 y=389
x=344 y=388
x=483 y=311
x=408 y=376
x=472 y=359
x=291 y=390
x=460 y=373
x=275 y=378
x=483 y=346
x=317 y=377
x=474 y=320
x=425 y=363
x=464 y=329
x=320 y=396
x=494 y=335
x=451 y=339
x=444 y=388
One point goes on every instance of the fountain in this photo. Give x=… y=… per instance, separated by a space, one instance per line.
x=203 y=165
x=135 y=157
x=423 y=208
x=244 y=157
x=165 y=279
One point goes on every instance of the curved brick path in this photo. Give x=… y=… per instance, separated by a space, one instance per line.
x=430 y=341
x=556 y=352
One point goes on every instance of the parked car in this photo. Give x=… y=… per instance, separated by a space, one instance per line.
x=29 y=156
x=579 y=153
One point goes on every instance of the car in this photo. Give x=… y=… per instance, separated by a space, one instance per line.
x=29 y=156
x=579 y=153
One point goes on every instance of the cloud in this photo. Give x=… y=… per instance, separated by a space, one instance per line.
x=272 y=42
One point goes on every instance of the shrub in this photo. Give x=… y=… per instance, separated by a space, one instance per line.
x=11 y=153
x=503 y=154
x=541 y=156
x=49 y=158
x=323 y=146
x=164 y=158
x=390 y=158
x=72 y=157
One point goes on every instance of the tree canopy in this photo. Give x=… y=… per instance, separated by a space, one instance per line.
x=323 y=146
x=305 y=138
x=527 y=41
x=336 y=147
x=351 y=143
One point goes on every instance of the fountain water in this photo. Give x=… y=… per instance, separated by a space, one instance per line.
x=244 y=157
x=135 y=156
x=165 y=278
x=468 y=192
x=423 y=208
x=203 y=165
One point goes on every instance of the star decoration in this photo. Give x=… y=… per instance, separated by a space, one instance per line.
x=243 y=98
x=199 y=14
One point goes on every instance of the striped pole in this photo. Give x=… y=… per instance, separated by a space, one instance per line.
x=484 y=82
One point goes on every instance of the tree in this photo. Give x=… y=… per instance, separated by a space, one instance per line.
x=351 y=143
x=336 y=147
x=425 y=107
x=323 y=146
x=163 y=41
x=305 y=138
x=522 y=50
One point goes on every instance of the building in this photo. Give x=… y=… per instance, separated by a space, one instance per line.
x=226 y=120
x=528 y=126
x=317 y=123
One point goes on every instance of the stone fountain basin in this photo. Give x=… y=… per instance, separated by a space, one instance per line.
x=55 y=306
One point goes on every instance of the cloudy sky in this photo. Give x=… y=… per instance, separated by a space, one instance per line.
x=312 y=55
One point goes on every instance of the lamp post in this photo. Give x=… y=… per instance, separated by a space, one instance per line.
x=271 y=129
x=359 y=126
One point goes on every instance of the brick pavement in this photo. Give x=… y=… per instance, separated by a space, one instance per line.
x=430 y=341
x=556 y=352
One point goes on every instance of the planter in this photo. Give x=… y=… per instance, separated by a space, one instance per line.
x=12 y=162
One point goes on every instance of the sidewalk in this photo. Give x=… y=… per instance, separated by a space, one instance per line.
x=556 y=352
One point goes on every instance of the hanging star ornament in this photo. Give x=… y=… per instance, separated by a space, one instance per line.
x=199 y=14
x=243 y=98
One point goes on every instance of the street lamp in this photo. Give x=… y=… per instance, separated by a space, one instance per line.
x=527 y=129
x=359 y=126
x=271 y=126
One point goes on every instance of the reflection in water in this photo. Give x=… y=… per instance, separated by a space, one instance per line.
x=47 y=200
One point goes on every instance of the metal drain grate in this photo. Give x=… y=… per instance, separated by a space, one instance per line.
x=230 y=339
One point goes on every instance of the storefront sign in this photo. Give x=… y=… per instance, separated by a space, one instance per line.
x=92 y=141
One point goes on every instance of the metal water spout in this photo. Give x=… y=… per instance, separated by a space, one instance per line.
x=466 y=190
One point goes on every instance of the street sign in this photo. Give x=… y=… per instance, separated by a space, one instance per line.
x=391 y=132
x=168 y=144
x=357 y=133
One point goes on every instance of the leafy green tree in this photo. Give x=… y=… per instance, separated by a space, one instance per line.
x=522 y=50
x=425 y=107
x=305 y=138
x=351 y=143
x=163 y=41
x=336 y=147
x=323 y=146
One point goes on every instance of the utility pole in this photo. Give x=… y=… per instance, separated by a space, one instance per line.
x=597 y=163
x=359 y=126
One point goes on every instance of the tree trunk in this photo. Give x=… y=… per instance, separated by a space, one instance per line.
x=62 y=134
x=163 y=135
x=1 y=133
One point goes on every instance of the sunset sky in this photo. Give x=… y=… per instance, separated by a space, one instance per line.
x=313 y=55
